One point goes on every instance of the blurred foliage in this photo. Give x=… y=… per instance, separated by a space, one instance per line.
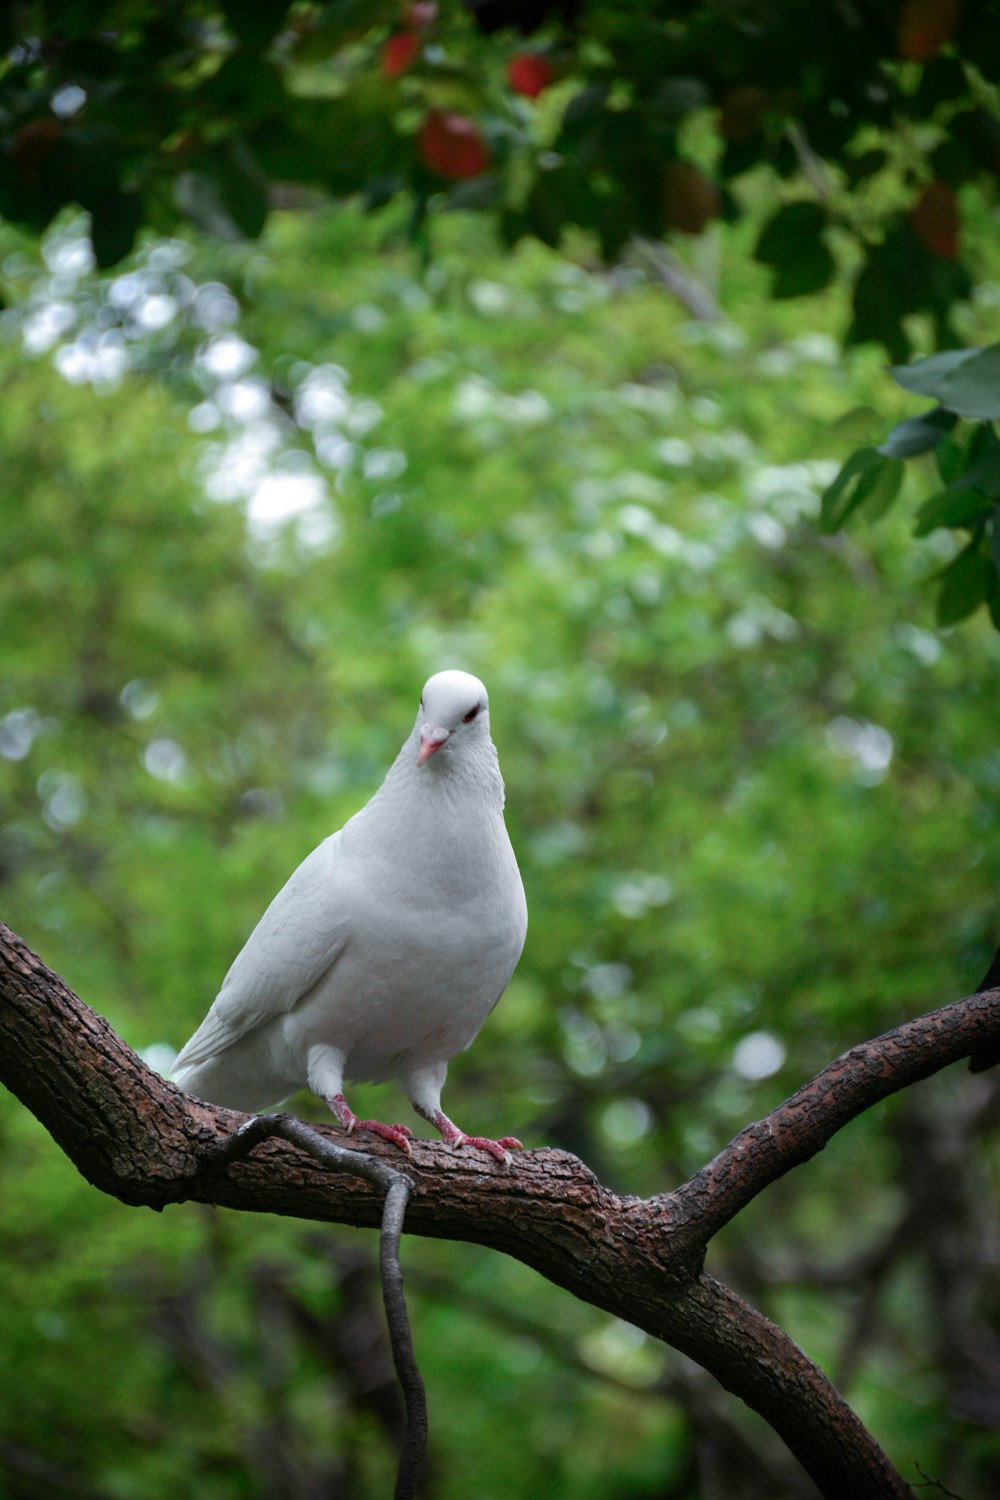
x=860 y=141
x=872 y=122
x=252 y=497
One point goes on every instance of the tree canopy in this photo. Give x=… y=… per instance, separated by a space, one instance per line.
x=622 y=120
x=860 y=142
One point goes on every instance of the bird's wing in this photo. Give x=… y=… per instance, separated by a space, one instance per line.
x=295 y=942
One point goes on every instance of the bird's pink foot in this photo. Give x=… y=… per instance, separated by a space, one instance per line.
x=452 y=1136
x=399 y=1135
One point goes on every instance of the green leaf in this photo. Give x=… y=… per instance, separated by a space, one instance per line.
x=114 y=223
x=860 y=425
x=868 y=479
x=995 y=537
x=951 y=508
x=226 y=195
x=949 y=459
x=901 y=276
x=993 y=601
x=245 y=90
x=965 y=583
x=882 y=491
x=791 y=244
x=924 y=376
x=983 y=460
x=839 y=497
x=244 y=189
x=966 y=381
x=918 y=434
x=973 y=388
x=255 y=24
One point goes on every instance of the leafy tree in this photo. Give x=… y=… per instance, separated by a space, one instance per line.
x=738 y=763
x=750 y=791
x=865 y=137
x=875 y=119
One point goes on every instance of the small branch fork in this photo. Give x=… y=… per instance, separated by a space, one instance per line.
x=395 y=1185
x=140 y=1139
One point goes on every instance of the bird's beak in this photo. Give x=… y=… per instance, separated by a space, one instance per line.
x=431 y=741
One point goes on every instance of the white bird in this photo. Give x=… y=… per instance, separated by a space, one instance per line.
x=389 y=946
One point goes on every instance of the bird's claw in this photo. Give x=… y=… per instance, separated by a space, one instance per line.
x=399 y=1135
x=454 y=1137
x=500 y=1149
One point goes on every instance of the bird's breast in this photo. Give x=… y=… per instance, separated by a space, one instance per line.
x=424 y=961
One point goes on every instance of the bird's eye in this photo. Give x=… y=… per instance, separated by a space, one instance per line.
x=471 y=714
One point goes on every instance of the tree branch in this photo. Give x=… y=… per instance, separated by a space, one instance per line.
x=798 y=1129
x=140 y=1139
x=665 y=265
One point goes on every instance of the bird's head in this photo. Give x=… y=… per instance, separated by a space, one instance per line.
x=453 y=707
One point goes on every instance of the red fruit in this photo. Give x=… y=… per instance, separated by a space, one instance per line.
x=398 y=51
x=528 y=73
x=925 y=26
x=936 y=221
x=452 y=146
x=32 y=145
x=690 y=199
x=741 y=112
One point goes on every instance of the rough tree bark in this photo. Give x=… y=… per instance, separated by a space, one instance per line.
x=135 y=1136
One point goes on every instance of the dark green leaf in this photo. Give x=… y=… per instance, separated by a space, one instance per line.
x=868 y=479
x=791 y=244
x=965 y=584
x=993 y=601
x=949 y=458
x=901 y=276
x=226 y=195
x=982 y=470
x=583 y=105
x=331 y=28
x=865 y=165
x=255 y=24
x=944 y=78
x=950 y=508
x=972 y=388
x=114 y=223
x=245 y=90
x=879 y=494
x=859 y=426
x=811 y=272
x=675 y=97
x=918 y=434
x=838 y=499
x=880 y=303
x=966 y=381
x=244 y=190
x=924 y=376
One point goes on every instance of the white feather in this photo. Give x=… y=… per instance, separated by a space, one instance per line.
x=389 y=946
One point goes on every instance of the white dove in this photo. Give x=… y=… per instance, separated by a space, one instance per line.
x=389 y=946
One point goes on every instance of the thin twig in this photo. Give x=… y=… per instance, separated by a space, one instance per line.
x=927 y=1483
x=414 y=1399
x=666 y=266
x=228 y=1149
